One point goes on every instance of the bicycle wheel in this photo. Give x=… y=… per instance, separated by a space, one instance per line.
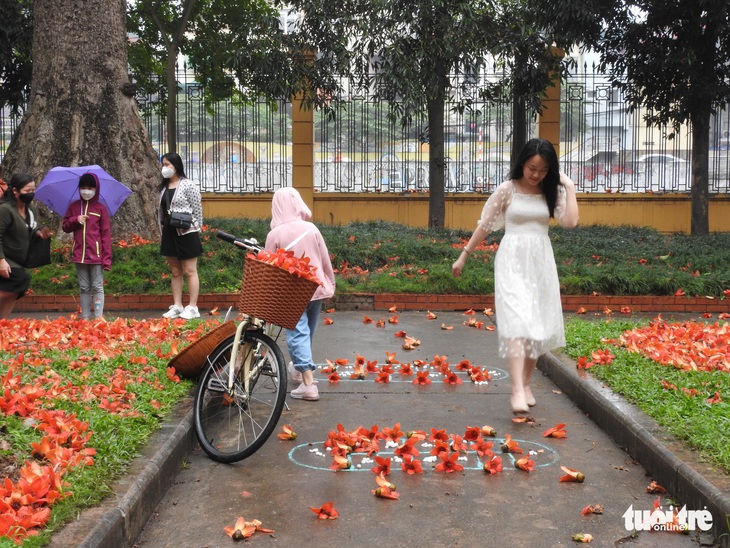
x=231 y=426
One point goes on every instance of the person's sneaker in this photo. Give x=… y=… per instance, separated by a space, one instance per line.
x=190 y=312
x=294 y=375
x=173 y=312
x=304 y=392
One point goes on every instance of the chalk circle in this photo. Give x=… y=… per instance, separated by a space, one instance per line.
x=346 y=370
x=316 y=457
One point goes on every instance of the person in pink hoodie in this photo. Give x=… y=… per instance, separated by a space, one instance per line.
x=291 y=229
x=88 y=219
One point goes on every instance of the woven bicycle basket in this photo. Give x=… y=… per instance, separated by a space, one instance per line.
x=191 y=359
x=272 y=294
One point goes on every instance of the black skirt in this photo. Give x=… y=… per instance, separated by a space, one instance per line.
x=18 y=282
x=183 y=247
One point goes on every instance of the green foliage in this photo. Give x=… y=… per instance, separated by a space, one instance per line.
x=703 y=426
x=16 y=37
x=673 y=57
x=378 y=257
x=211 y=34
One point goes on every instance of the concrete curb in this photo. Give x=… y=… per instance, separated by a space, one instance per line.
x=672 y=465
x=123 y=514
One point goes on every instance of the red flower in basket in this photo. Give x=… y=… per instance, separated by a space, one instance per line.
x=286 y=260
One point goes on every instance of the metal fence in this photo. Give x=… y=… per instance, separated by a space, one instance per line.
x=604 y=147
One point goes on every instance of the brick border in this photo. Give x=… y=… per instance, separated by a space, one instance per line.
x=383 y=301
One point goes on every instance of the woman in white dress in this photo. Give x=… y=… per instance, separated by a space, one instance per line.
x=526 y=286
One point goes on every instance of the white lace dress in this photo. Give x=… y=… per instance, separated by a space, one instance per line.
x=526 y=286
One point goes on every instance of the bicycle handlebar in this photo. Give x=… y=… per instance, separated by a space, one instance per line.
x=251 y=243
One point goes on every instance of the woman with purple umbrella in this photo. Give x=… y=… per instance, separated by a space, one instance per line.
x=18 y=224
x=88 y=219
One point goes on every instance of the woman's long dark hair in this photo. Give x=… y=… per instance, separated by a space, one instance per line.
x=17 y=182
x=177 y=163
x=550 y=183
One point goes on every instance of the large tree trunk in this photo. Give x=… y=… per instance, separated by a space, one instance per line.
x=436 y=172
x=519 y=126
x=82 y=108
x=171 y=75
x=700 y=223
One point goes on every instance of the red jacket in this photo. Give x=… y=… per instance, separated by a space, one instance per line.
x=92 y=240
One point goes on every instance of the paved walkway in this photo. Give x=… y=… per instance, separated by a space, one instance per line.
x=278 y=484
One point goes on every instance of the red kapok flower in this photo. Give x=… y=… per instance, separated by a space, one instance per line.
x=525 y=463
x=383 y=466
x=493 y=465
x=326 y=511
x=571 y=475
x=422 y=378
x=556 y=431
x=449 y=463
x=287 y=433
x=411 y=465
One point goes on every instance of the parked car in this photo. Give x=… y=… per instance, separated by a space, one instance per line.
x=664 y=159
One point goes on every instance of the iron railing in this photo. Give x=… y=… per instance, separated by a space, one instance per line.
x=236 y=148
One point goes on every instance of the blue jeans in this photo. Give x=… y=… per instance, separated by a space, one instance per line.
x=299 y=339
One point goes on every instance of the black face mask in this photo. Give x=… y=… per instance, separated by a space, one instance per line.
x=27 y=198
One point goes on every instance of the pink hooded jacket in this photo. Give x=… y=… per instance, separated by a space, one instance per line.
x=290 y=218
x=92 y=241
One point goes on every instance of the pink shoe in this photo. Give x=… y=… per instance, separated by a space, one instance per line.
x=304 y=392
x=294 y=375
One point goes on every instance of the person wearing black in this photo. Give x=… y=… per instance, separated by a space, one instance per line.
x=181 y=245
x=18 y=224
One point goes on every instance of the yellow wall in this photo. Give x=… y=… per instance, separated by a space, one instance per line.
x=666 y=212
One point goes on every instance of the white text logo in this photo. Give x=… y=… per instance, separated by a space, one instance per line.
x=669 y=520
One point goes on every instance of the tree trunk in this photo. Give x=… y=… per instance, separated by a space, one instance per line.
x=519 y=125
x=700 y=223
x=171 y=76
x=436 y=208
x=82 y=109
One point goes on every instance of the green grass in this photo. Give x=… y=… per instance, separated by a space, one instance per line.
x=702 y=426
x=117 y=439
x=380 y=257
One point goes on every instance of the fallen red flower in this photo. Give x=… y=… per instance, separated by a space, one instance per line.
x=411 y=465
x=449 y=463
x=383 y=377
x=326 y=511
x=510 y=445
x=383 y=466
x=525 y=463
x=287 y=433
x=571 y=475
x=422 y=378
x=556 y=431
x=493 y=465
x=592 y=509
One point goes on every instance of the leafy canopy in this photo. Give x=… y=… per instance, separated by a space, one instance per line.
x=673 y=55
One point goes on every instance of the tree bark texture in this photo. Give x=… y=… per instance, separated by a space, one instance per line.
x=82 y=109
x=436 y=168
x=700 y=221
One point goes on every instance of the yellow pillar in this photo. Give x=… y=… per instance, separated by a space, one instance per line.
x=302 y=136
x=548 y=122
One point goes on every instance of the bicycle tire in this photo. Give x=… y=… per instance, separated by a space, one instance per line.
x=231 y=427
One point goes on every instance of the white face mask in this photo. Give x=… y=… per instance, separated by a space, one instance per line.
x=167 y=171
x=87 y=194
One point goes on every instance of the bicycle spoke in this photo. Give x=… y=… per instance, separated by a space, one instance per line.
x=232 y=425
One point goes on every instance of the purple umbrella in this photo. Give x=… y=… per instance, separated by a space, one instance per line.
x=60 y=187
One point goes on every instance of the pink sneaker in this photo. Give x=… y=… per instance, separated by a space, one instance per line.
x=294 y=375
x=304 y=392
